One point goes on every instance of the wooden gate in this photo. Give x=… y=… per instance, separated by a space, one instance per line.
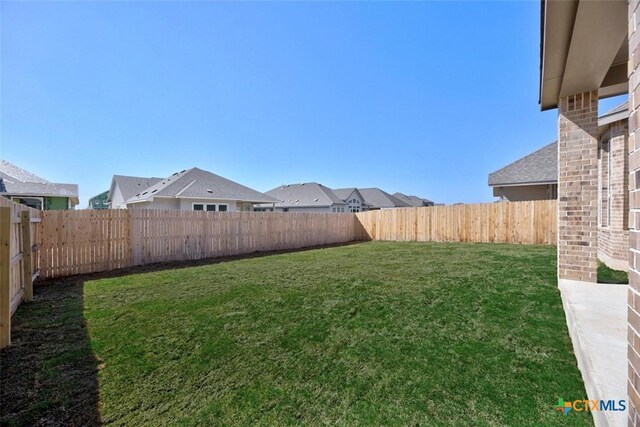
x=18 y=261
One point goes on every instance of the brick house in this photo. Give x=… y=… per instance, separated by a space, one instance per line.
x=591 y=50
x=535 y=177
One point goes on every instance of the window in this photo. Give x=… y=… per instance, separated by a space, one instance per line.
x=604 y=170
x=32 y=202
x=222 y=208
x=211 y=208
x=198 y=207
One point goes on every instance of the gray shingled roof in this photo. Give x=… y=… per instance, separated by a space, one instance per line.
x=307 y=194
x=10 y=171
x=413 y=200
x=541 y=166
x=200 y=184
x=15 y=181
x=620 y=112
x=131 y=185
x=620 y=108
x=379 y=199
x=344 y=193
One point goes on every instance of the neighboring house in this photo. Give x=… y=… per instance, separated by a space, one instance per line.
x=100 y=201
x=353 y=198
x=535 y=177
x=413 y=200
x=314 y=197
x=305 y=197
x=376 y=198
x=190 y=189
x=29 y=189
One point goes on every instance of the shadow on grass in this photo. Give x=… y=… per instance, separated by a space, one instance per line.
x=49 y=374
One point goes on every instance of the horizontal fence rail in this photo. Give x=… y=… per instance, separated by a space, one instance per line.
x=531 y=222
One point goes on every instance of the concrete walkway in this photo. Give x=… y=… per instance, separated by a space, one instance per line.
x=597 y=321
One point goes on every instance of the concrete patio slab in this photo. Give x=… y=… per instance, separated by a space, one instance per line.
x=597 y=321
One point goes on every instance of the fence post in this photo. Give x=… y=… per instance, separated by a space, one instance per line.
x=27 y=268
x=5 y=275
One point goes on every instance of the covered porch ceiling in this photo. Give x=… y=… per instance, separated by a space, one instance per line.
x=583 y=47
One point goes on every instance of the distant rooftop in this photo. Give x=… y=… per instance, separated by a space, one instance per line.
x=306 y=194
x=15 y=181
x=199 y=184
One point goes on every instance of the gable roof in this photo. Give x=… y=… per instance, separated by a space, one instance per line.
x=413 y=200
x=344 y=193
x=378 y=198
x=541 y=166
x=199 y=184
x=15 y=181
x=306 y=194
x=131 y=185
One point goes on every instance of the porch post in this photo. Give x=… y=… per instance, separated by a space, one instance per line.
x=578 y=187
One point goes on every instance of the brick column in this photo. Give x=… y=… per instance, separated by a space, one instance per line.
x=633 y=384
x=578 y=187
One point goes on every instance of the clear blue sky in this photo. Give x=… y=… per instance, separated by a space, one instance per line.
x=425 y=98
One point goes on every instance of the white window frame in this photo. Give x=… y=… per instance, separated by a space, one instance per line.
x=193 y=206
x=17 y=200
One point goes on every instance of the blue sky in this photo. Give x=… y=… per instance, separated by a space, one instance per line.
x=425 y=98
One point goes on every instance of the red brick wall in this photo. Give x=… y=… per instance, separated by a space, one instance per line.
x=578 y=187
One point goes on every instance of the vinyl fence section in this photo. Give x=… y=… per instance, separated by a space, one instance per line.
x=78 y=242
x=531 y=222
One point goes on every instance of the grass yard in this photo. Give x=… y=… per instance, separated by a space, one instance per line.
x=608 y=275
x=367 y=334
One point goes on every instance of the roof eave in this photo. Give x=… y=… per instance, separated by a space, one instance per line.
x=582 y=48
x=522 y=184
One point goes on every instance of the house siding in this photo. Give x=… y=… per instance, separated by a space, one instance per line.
x=520 y=193
x=187 y=204
x=117 y=200
x=56 y=203
x=156 y=204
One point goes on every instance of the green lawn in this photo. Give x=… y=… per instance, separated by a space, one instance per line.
x=608 y=275
x=368 y=334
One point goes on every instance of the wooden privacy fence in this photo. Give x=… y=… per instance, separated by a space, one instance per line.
x=62 y=243
x=18 y=260
x=77 y=242
x=532 y=222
